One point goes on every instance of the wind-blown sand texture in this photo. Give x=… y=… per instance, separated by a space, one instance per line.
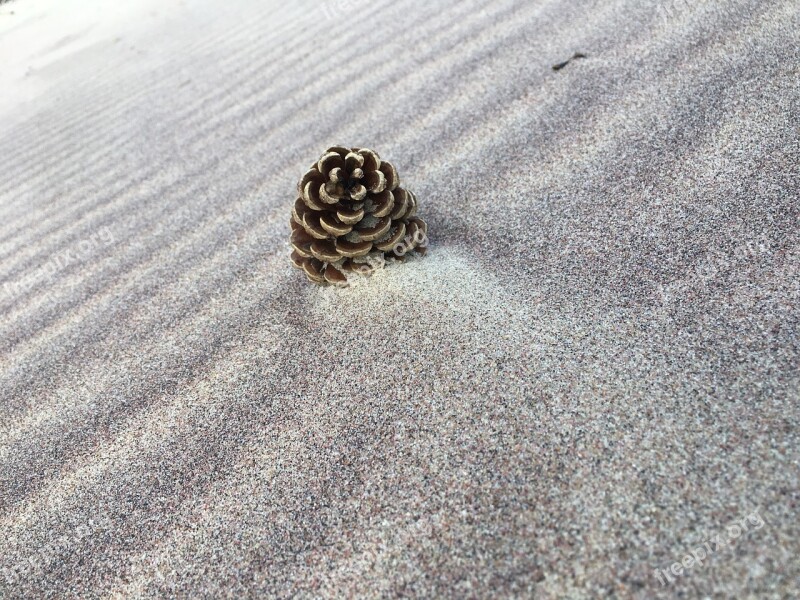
x=594 y=369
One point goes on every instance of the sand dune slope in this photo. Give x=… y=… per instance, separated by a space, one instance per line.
x=592 y=376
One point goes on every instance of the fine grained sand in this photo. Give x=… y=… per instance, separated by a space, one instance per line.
x=592 y=373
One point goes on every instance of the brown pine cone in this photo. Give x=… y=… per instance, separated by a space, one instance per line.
x=351 y=215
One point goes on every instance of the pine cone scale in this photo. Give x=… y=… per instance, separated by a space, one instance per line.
x=389 y=172
x=353 y=249
x=400 y=205
x=298 y=210
x=393 y=238
x=312 y=226
x=311 y=197
x=313 y=269
x=371 y=160
x=382 y=204
x=334 y=226
x=350 y=217
x=353 y=161
x=325 y=250
x=334 y=276
x=375 y=181
x=340 y=150
x=310 y=176
x=375 y=231
x=297 y=260
x=328 y=162
x=329 y=197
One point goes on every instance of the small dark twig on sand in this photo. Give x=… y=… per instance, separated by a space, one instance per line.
x=561 y=65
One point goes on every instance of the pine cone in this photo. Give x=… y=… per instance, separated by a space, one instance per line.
x=351 y=215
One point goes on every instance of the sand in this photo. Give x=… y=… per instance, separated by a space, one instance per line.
x=592 y=376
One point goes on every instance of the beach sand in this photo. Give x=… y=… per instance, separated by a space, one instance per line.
x=592 y=374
